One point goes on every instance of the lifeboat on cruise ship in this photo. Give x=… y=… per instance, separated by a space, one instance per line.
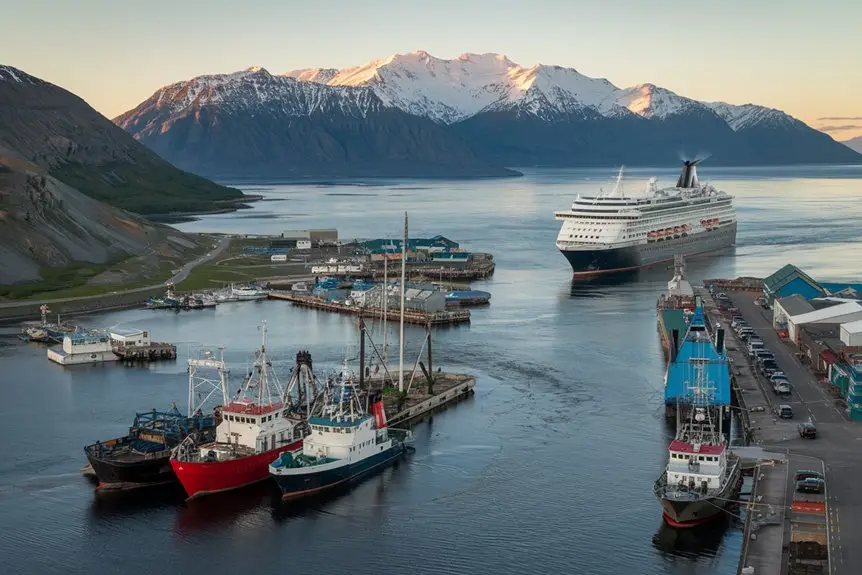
x=676 y=230
x=651 y=237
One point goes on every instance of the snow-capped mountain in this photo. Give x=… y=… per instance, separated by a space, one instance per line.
x=252 y=123
x=449 y=91
x=749 y=115
x=417 y=114
x=249 y=90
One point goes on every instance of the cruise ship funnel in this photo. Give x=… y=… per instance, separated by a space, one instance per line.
x=688 y=176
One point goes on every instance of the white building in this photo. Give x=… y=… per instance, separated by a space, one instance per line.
x=850 y=311
x=851 y=333
x=303 y=244
x=121 y=337
x=83 y=348
x=789 y=306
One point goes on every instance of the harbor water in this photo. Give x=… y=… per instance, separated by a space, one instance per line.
x=548 y=468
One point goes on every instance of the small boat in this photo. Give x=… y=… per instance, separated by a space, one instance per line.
x=248 y=293
x=345 y=445
x=466 y=298
x=205 y=300
x=259 y=424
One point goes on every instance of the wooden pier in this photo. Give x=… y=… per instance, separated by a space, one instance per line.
x=437 y=318
x=449 y=388
x=144 y=353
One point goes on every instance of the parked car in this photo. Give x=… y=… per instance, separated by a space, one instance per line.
x=777 y=377
x=769 y=367
x=738 y=322
x=763 y=355
x=753 y=347
x=811 y=485
x=784 y=411
x=808 y=474
x=807 y=430
x=781 y=388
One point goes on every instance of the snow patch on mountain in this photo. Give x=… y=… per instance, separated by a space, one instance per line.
x=649 y=101
x=317 y=75
x=10 y=74
x=739 y=117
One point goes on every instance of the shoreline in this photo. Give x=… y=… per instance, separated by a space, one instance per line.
x=183 y=217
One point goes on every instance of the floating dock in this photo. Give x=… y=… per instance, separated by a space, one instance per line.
x=438 y=318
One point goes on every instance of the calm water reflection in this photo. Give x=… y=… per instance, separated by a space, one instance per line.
x=549 y=468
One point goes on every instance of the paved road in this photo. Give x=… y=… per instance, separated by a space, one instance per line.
x=180 y=276
x=836 y=449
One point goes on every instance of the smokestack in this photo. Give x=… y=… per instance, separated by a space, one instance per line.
x=675 y=343
x=688 y=175
x=719 y=340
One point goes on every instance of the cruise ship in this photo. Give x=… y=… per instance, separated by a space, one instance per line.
x=616 y=232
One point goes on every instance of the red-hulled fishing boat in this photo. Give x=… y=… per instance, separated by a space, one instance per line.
x=261 y=423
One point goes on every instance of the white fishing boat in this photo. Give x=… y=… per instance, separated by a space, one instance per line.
x=249 y=293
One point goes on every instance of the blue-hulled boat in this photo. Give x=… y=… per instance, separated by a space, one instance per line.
x=465 y=298
x=699 y=349
x=345 y=445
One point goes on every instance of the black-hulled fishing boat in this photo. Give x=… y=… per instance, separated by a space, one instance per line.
x=142 y=457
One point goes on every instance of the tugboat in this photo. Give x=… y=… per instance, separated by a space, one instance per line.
x=702 y=476
x=142 y=458
x=346 y=445
x=258 y=425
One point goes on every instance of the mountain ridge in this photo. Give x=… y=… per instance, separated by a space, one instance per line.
x=418 y=115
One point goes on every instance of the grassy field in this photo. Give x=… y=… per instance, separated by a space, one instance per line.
x=237 y=265
x=77 y=280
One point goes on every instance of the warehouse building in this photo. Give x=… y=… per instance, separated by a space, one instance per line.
x=788 y=281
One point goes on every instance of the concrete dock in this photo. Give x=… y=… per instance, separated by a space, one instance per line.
x=789 y=532
x=437 y=318
x=448 y=388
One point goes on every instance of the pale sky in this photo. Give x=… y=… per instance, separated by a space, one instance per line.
x=801 y=56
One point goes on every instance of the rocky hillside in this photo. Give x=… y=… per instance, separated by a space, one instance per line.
x=58 y=132
x=46 y=226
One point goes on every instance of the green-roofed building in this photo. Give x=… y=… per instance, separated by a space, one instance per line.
x=788 y=281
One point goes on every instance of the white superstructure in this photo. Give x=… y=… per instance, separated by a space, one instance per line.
x=646 y=228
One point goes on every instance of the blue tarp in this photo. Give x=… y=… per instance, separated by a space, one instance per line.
x=698 y=374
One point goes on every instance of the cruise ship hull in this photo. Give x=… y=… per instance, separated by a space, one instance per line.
x=296 y=486
x=590 y=262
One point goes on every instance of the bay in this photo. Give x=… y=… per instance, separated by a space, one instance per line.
x=548 y=468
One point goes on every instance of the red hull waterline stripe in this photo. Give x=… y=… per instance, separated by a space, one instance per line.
x=694 y=523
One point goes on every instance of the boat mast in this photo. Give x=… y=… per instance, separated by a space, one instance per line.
x=401 y=336
x=385 y=301
x=264 y=381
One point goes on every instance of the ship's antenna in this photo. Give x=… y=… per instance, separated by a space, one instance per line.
x=619 y=183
